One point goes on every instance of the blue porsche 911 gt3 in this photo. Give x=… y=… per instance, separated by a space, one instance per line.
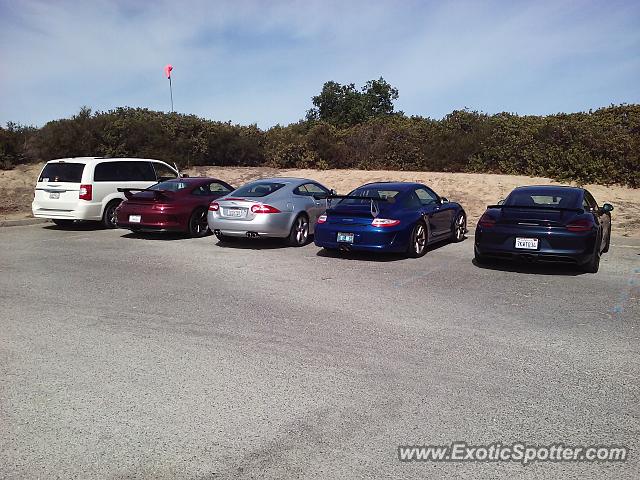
x=547 y=224
x=390 y=217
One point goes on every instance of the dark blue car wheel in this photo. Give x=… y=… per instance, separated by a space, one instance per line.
x=459 y=227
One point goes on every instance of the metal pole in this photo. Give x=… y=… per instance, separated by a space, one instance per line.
x=171 y=92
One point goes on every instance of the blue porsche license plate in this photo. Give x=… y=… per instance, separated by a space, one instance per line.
x=345 y=237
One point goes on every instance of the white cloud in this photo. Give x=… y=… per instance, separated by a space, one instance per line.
x=252 y=61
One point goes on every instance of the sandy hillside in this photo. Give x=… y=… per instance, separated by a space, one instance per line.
x=473 y=191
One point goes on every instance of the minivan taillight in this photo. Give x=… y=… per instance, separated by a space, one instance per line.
x=487 y=221
x=214 y=207
x=264 y=209
x=85 y=192
x=583 y=225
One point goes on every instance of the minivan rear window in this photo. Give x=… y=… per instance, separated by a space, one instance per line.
x=62 y=172
x=127 y=171
x=257 y=189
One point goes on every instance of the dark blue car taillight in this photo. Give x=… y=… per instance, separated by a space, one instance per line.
x=583 y=225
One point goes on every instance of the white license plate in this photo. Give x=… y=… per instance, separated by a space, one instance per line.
x=527 y=243
x=135 y=218
x=345 y=237
x=54 y=194
x=235 y=212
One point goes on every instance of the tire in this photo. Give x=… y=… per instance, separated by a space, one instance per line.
x=459 y=227
x=606 y=247
x=109 y=214
x=419 y=240
x=62 y=223
x=299 y=234
x=198 y=226
x=480 y=260
x=593 y=265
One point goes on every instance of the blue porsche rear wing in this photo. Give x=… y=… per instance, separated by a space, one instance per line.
x=537 y=207
x=373 y=201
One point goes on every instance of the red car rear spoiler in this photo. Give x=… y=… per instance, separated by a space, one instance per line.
x=156 y=193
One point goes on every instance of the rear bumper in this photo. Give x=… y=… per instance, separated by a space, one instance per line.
x=81 y=211
x=365 y=238
x=150 y=220
x=264 y=225
x=555 y=246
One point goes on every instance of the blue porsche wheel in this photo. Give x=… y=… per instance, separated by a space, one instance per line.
x=418 y=245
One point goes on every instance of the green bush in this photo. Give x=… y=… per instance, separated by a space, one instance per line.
x=601 y=146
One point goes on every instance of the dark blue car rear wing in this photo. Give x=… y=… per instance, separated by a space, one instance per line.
x=373 y=201
x=537 y=207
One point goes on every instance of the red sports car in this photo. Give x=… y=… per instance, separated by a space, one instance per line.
x=177 y=205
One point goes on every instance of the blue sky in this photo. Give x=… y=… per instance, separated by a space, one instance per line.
x=262 y=61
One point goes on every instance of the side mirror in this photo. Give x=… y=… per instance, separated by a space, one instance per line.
x=333 y=192
x=184 y=175
x=444 y=200
x=607 y=207
x=501 y=202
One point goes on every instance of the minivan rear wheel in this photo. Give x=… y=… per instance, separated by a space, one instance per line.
x=109 y=216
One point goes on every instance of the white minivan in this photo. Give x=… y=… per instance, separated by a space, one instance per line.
x=86 y=188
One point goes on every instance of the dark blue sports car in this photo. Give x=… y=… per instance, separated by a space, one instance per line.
x=547 y=224
x=390 y=217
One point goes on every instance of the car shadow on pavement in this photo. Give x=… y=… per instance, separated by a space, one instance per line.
x=241 y=243
x=531 y=268
x=166 y=236
x=377 y=256
x=76 y=226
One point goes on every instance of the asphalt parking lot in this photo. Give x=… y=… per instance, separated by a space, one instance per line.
x=159 y=357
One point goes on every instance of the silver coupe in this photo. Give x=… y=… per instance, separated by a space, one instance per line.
x=270 y=207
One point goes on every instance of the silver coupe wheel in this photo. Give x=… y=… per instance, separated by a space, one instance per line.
x=299 y=231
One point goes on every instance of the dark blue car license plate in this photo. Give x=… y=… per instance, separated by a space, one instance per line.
x=345 y=237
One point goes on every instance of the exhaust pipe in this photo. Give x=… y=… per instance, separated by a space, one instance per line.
x=344 y=248
x=252 y=235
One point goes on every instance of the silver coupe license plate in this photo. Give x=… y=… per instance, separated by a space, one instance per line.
x=527 y=243
x=235 y=212
x=345 y=237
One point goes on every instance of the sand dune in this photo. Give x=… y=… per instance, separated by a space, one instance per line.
x=473 y=190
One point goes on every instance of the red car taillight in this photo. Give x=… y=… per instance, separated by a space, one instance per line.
x=214 y=207
x=322 y=218
x=85 y=192
x=264 y=209
x=384 y=222
x=583 y=225
x=486 y=221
